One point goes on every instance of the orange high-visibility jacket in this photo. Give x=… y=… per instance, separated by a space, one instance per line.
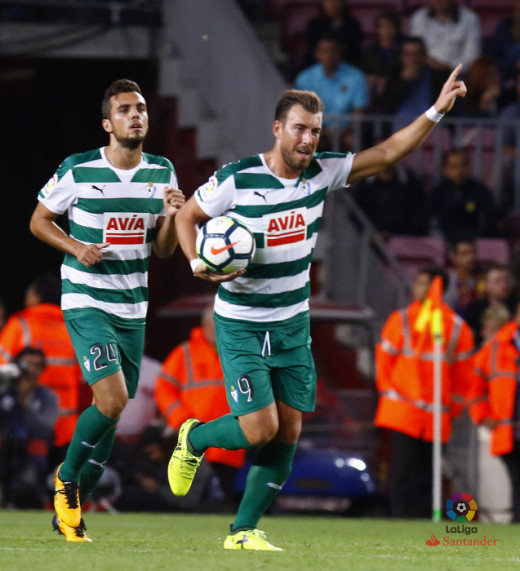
x=404 y=363
x=42 y=326
x=496 y=370
x=191 y=385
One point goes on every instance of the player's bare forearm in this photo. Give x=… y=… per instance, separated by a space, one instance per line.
x=166 y=240
x=186 y=222
x=385 y=154
x=43 y=226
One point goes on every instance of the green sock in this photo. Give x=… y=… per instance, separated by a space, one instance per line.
x=90 y=428
x=94 y=468
x=224 y=432
x=264 y=480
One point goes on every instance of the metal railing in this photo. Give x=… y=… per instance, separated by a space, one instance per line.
x=483 y=139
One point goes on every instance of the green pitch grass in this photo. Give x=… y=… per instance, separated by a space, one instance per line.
x=180 y=542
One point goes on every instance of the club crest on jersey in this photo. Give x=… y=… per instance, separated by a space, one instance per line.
x=86 y=363
x=125 y=230
x=151 y=189
x=286 y=228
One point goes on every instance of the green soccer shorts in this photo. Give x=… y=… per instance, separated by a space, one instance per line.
x=264 y=362
x=103 y=348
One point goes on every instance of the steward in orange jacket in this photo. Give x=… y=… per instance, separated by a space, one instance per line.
x=495 y=400
x=191 y=385
x=41 y=326
x=404 y=376
x=496 y=368
x=405 y=373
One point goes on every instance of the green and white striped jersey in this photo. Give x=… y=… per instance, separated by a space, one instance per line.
x=284 y=216
x=121 y=207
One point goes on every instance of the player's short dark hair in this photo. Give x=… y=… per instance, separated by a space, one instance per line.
x=119 y=86
x=47 y=287
x=433 y=272
x=290 y=97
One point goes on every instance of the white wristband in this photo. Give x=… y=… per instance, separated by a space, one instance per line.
x=195 y=263
x=434 y=115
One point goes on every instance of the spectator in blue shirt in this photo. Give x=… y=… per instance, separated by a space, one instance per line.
x=28 y=412
x=341 y=86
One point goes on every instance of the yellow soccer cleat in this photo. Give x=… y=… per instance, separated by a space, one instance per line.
x=66 y=500
x=71 y=533
x=183 y=464
x=250 y=539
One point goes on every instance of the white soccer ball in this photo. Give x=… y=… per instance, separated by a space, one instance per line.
x=225 y=245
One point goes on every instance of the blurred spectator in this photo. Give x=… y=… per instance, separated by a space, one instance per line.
x=335 y=20
x=28 y=414
x=510 y=141
x=498 y=291
x=451 y=32
x=465 y=280
x=408 y=93
x=493 y=318
x=341 y=86
x=139 y=413
x=405 y=384
x=505 y=44
x=461 y=204
x=145 y=483
x=495 y=401
x=381 y=59
x=191 y=385
x=41 y=325
x=142 y=409
x=482 y=79
x=394 y=202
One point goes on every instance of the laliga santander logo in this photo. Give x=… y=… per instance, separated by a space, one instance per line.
x=461 y=507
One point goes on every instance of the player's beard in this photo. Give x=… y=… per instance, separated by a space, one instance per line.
x=294 y=161
x=131 y=143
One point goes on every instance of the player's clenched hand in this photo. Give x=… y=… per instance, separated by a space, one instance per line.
x=452 y=89
x=173 y=200
x=90 y=254
x=203 y=273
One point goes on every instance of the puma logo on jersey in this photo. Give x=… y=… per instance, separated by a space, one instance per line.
x=100 y=188
x=125 y=230
x=286 y=228
x=256 y=193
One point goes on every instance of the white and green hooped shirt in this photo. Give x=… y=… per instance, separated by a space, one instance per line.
x=284 y=216
x=121 y=207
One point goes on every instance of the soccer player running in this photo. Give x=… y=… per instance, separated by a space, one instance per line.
x=262 y=314
x=120 y=203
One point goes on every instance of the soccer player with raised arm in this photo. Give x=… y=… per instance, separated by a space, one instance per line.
x=120 y=202
x=262 y=314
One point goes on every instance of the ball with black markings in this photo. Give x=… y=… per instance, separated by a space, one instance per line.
x=225 y=245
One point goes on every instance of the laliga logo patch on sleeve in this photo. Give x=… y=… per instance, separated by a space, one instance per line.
x=206 y=189
x=52 y=182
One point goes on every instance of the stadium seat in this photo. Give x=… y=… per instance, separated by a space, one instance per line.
x=493 y=249
x=414 y=252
